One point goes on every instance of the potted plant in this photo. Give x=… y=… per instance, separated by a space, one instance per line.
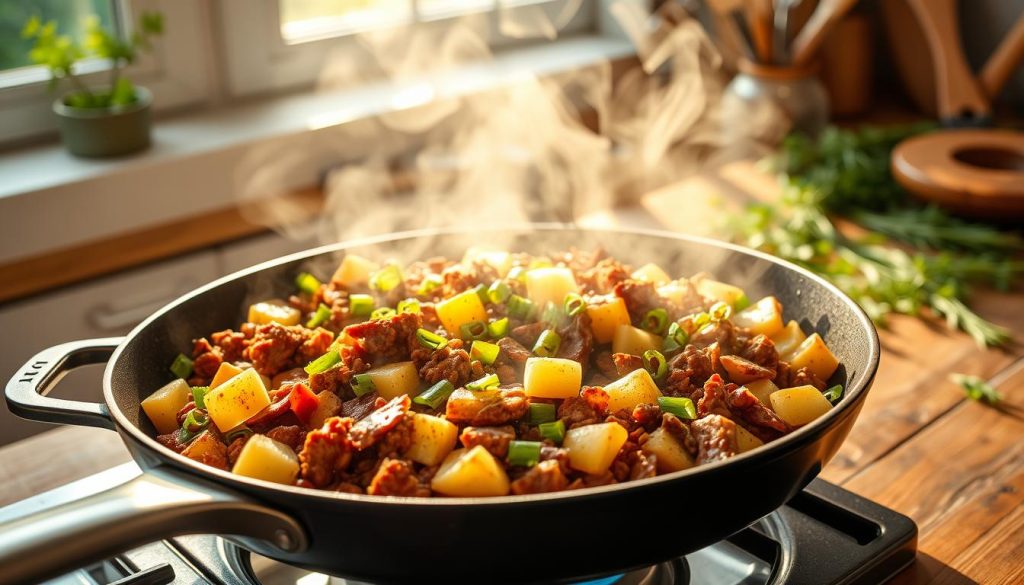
x=102 y=121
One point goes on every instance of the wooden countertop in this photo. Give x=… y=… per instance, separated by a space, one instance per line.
x=920 y=447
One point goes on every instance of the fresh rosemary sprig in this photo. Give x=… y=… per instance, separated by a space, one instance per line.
x=977 y=389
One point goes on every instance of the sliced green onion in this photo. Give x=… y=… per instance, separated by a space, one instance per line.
x=181 y=366
x=195 y=422
x=409 y=306
x=199 y=395
x=307 y=283
x=488 y=381
x=834 y=393
x=519 y=308
x=499 y=291
x=742 y=303
x=429 y=339
x=434 y=396
x=517 y=273
x=547 y=344
x=679 y=406
x=700 y=320
x=382 y=313
x=386 y=278
x=323 y=313
x=239 y=432
x=524 y=453
x=540 y=263
x=675 y=339
x=654 y=362
x=541 y=412
x=553 y=431
x=552 y=315
x=574 y=304
x=362 y=384
x=324 y=362
x=473 y=330
x=485 y=352
x=481 y=291
x=720 y=311
x=429 y=284
x=498 y=329
x=656 y=321
x=360 y=305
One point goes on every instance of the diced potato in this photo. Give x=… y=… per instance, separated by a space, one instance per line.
x=552 y=377
x=328 y=405
x=787 y=340
x=274 y=311
x=631 y=340
x=224 y=373
x=681 y=293
x=206 y=448
x=462 y=308
x=592 y=448
x=395 y=379
x=762 y=389
x=470 y=473
x=236 y=400
x=433 y=438
x=549 y=285
x=745 y=440
x=267 y=459
x=763 y=317
x=720 y=291
x=354 y=271
x=799 y=406
x=500 y=260
x=814 y=355
x=464 y=405
x=606 y=318
x=669 y=453
x=651 y=273
x=163 y=405
x=636 y=387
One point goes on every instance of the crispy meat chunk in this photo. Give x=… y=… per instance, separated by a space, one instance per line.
x=494 y=439
x=602 y=277
x=512 y=352
x=372 y=428
x=647 y=415
x=546 y=476
x=640 y=297
x=326 y=451
x=396 y=477
x=291 y=435
x=681 y=431
x=761 y=350
x=605 y=364
x=741 y=370
x=360 y=407
x=788 y=378
x=690 y=369
x=626 y=363
x=231 y=343
x=761 y=421
x=577 y=340
x=527 y=334
x=336 y=378
x=450 y=362
x=716 y=438
x=723 y=333
x=713 y=399
x=387 y=340
x=275 y=347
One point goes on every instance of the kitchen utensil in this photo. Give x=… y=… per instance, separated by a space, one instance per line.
x=780 y=35
x=847 y=65
x=976 y=173
x=1003 y=60
x=730 y=24
x=809 y=39
x=759 y=20
x=394 y=539
x=763 y=103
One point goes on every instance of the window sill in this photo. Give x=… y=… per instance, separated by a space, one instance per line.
x=51 y=200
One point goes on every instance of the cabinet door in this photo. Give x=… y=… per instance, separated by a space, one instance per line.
x=102 y=308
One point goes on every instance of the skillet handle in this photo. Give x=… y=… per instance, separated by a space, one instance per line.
x=26 y=391
x=149 y=507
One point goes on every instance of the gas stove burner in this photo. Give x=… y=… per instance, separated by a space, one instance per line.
x=824 y=535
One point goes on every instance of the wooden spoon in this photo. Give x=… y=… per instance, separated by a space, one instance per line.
x=1003 y=60
x=826 y=15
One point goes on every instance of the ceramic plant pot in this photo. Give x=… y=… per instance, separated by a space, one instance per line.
x=99 y=132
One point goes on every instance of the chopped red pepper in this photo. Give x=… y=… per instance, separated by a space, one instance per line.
x=303 y=402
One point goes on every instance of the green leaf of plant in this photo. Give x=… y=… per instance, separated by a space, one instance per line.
x=977 y=389
x=123 y=93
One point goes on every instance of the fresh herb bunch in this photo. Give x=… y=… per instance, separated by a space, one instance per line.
x=847 y=173
x=977 y=389
x=59 y=53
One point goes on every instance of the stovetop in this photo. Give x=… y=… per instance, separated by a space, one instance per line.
x=825 y=535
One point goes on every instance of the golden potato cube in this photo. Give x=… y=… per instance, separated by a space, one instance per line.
x=592 y=448
x=787 y=340
x=549 y=285
x=499 y=260
x=552 y=377
x=762 y=389
x=470 y=473
x=433 y=438
x=328 y=405
x=651 y=273
x=267 y=459
x=814 y=355
x=631 y=340
x=163 y=405
x=354 y=270
x=206 y=448
x=636 y=387
x=225 y=372
x=720 y=291
x=463 y=308
x=395 y=379
x=668 y=451
x=745 y=440
x=606 y=318
x=799 y=406
x=236 y=400
x=274 y=311
x=763 y=317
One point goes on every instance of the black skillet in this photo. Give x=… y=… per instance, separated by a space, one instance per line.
x=547 y=537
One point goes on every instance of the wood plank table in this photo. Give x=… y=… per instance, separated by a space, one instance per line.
x=920 y=447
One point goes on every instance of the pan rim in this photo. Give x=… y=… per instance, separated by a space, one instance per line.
x=774 y=450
